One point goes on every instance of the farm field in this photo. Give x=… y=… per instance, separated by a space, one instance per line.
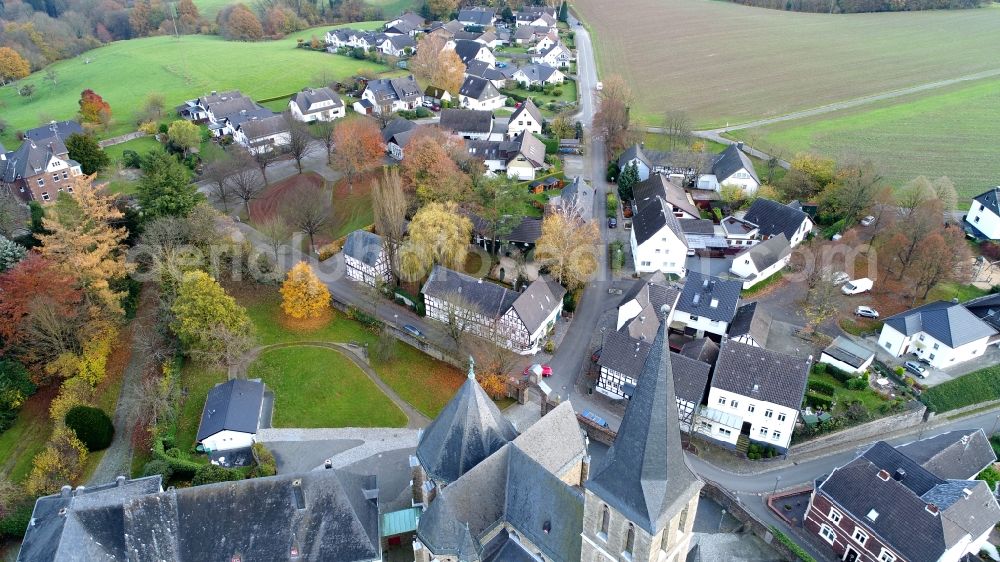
x=390 y=8
x=726 y=63
x=932 y=134
x=126 y=71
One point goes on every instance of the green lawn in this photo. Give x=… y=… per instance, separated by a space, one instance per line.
x=978 y=386
x=124 y=72
x=196 y=381
x=843 y=396
x=142 y=145
x=948 y=291
x=316 y=387
x=567 y=94
x=26 y=438
x=390 y=8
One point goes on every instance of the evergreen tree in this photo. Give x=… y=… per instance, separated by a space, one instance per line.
x=628 y=178
x=10 y=254
x=165 y=188
x=86 y=150
x=564 y=11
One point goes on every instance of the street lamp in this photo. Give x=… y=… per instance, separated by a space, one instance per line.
x=720 y=520
x=776 y=480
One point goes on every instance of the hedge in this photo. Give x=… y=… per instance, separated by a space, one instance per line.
x=821 y=387
x=791 y=545
x=276 y=98
x=839 y=374
x=977 y=386
x=182 y=468
x=418 y=300
x=92 y=426
x=818 y=401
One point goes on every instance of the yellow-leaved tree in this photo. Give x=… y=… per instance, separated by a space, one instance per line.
x=303 y=295
x=568 y=246
x=438 y=234
x=61 y=461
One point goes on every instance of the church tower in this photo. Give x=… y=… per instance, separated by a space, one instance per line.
x=640 y=505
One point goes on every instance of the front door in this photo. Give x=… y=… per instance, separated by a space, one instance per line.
x=851 y=555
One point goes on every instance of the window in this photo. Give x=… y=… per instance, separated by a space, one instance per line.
x=746 y=261
x=763 y=431
x=734 y=404
x=936 y=346
x=55 y=177
x=750 y=408
x=657 y=250
x=921 y=337
x=860 y=536
x=65 y=174
x=931 y=356
x=69 y=189
x=776 y=435
x=976 y=219
x=722 y=400
x=886 y=556
x=835 y=515
x=629 y=541
x=646 y=263
x=605 y=523
x=45 y=196
x=693 y=318
x=827 y=534
x=769 y=413
x=41 y=182
x=725 y=431
x=782 y=417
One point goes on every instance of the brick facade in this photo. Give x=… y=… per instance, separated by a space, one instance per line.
x=819 y=515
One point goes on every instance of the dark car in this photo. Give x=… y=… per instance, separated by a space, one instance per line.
x=612 y=222
x=413 y=331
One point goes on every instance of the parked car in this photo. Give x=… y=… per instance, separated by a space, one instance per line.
x=501 y=65
x=868 y=221
x=599 y=86
x=612 y=222
x=413 y=331
x=546 y=370
x=840 y=277
x=857 y=286
x=916 y=368
x=866 y=311
x=595 y=418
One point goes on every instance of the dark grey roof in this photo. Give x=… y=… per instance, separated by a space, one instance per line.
x=989 y=199
x=469 y=429
x=532 y=110
x=477 y=15
x=400 y=42
x=767 y=253
x=773 y=217
x=701 y=290
x=740 y=227
x=527 y=231
x=415 y=21
x=266 y=127
x=309 y=97
x=86 y=524
x=391 y=89
x=61 y=129
x=702 y=349
x=953 y=455
x=623 y=353
x=228 y=103
x=233 y=405
x=478 y=88
x=466 y=121
x=244 y=116
x=986 y=308
x=761 y=374
x=690 y=377
x=644 y=476
x=949 y=323
x=364 y=246
x=538 y=301
x=467 y=49
x=697 y=226
x=646 y=192
x=538 y=72
x=502 y=548
x=31 y=158
x=631 y=153
x=651 y=219
x=847 y=351
x=730 y=161
x=489 y=299
x=323 y=514
x=397 y=127
x=749 y=320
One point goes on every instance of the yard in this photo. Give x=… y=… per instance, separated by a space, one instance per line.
x=123 y=73
x=318 y=387
x=567 y=94
x=977 y=386
x=843 y=396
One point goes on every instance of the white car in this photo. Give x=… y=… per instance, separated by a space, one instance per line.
x=840 y=277
x=866 y=311
x=599 y=86
x=867 y=221
x=857 y=286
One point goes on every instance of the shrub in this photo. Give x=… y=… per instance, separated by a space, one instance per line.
x=818 y=401
x=857 y=383
x=210 y=473
x=550 y=346
x=791 y=545
x=156 y=466
x=266 y=465
x=821 y=387
x=819 y=368
x=163 y=128
x=131 y=159
x=839 y=374
x=991 y=476
x=16 y=522
x=900 y=370
x=92 y=426
x=612 y=172
x=557 y=92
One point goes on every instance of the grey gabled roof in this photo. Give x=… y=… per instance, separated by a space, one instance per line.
x=311 y=96
x=752 y=321
x=760 y=373
x=391 y=89
x=949 y=323
x=690 y=377
x=489 y=299
x=265 y=127
x=646 y=192
x=652 y=218
x=478 y=89
x=466 y=121
x=61 y=129
x=623 y=353
x=989 y=199
x=538 y=301
x=631 y=153
x=31 y=158
x=477 y=15
x=364 y=246
x=467 y=49
x=702 y=349
x=469 y=429
x=532 y=110
x=537 y=72
x=846 y=350
x=645 y=476
x=953 y=455
x=701 y=290
x=986 y=308
x=397 y=127
x=233 y=405
x=768 y=252
x=697 y=226
x=773 y=217
x=730 y=161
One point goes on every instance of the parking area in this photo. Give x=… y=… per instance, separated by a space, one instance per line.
x=937 y=376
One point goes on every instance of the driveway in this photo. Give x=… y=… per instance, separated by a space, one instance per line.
x=718 y=267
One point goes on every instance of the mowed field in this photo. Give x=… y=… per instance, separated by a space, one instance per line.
x=950 y=132
x=124 y=72
x=725 y=63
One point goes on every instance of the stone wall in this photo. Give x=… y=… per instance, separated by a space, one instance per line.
x=596 y=432
x=736 y=509
x=913 y=416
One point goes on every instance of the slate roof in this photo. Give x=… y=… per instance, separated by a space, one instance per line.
x=847 y=351
x=631 y=153
x=531 y=148
x=690 y=377
x=623 y=353
x=477 y=15
x=749 y=320
x=949 y=323
x=537 y=72
x=233 y=405
x=398 y=128
x=467 y=49
x=761 y=374
x=953 y=455
x=489 y=299
x=702 y=349
x=652 y=218
x=986 y=308
x=415 y=21
x=646 y=192
x=31 y=158
x=61 y=129
x=262 y=128
x=469 y=429
x=527 y=231
x=228 y=103
x=774 y=218
x=400 y=42
x=768 y=252
x=697 y=226
x=699 y=292
x=730 y=161
x=364 y=246
x=478 y=89
x=531 y=109
x=538 y=301
x=308 y=97
x=900 y=503
x=91 y=527
x=990 y=199
x=644 y=476
x=487 y=72
x=392 y=89
x=466 y=121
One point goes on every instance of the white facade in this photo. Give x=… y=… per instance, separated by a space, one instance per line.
x=936 y=353
x=663 y=252
x=824 y=358
x=364 y=273
x=327 y=113
x=770 y=424
x=393 y=106
x=226 y=440
x=610 y=383
x=744 y=267
x=801 y=232
x=641 y=167
x=984 y=219
x=742 y=179
x=701 y=324
x=508 y=331
x=523 y=121
x=488 y=104
x=521 y=78
x=558 y=56
x=262 y=144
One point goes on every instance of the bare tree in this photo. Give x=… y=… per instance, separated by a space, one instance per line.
x=13 y=214
x=265 y=158
x=247 y=183
x=821 y=298
x=324 y=132
x=460 y=319
x=308 y=211
x=234 y=344
x=389 y=208
x=677 y=125
x=300 y=142
x=276 y=232
x=218 y=172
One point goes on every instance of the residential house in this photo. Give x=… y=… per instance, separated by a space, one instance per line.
x=470 y=124
x=953 y=455
x=657 y=186
x=529 y=34
x=773 y=218
x=556 y=55
x=215 y=106
x=264 y=134
x=366 y=259
x=538 y=75
x=396 y=134
x=527 y=118
x=478 y=16
x=739 y=233
x=480 y=94
x=634 y=155
x=545 y=42
x=761 y=261
x=415 y=23
x=658 y=243
x=436 y=96
x=731 y=167
x=469 y=51
x=983 y=218
x=487 y=37
x=395 y=45
x=445 y=30
x=533 y=16
x=389 y=95
x=847 y=355
x=227 y=125
x=576 y=199
x=702 y=238
x=707 y=305
x=521 y=237
x=701 y=349
x=316 y=104
x=521 y=158
x=310 y=516
x=61 y=129
x=751 y=325
x=498 y=76
x=986 y=308
x=234 y=411
x=517 y=321
x=941 y=333
x=884 y=506
x=38 y=170
x=755 y=395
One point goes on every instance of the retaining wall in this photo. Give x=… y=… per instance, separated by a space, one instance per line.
x=866 y=431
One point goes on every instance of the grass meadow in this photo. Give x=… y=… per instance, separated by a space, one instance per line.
x=726 y=63
x=124 y=72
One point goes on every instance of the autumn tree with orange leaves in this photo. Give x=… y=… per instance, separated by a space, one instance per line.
x=93 y=108
x=437 y=66
x=357 y=148
x=428 y=168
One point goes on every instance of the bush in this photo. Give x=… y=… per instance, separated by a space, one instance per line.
x=835 y=228
x=156 y=466
x=131 y=159
x=16 y=523
x=821 y=387
x=266 y=465
x=92 y=426
x=857 y=383
x=163 y=128
x=557 y=92
x=818 y=401
x=977 y=386
x=210 y=473
x=819 y=368
x=612 y=172
x=791 y=545
x=550 y=346
x=551 y=145
x=839 y=374
x=991 y=476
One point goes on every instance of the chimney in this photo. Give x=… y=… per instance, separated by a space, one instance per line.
x=79 y=490
x=932 y=509
x=966 y=493
x=884 y=475
x=66 y=491
x=370 y=489
x=120 y=481
x=328 y=464
x=899 y=475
